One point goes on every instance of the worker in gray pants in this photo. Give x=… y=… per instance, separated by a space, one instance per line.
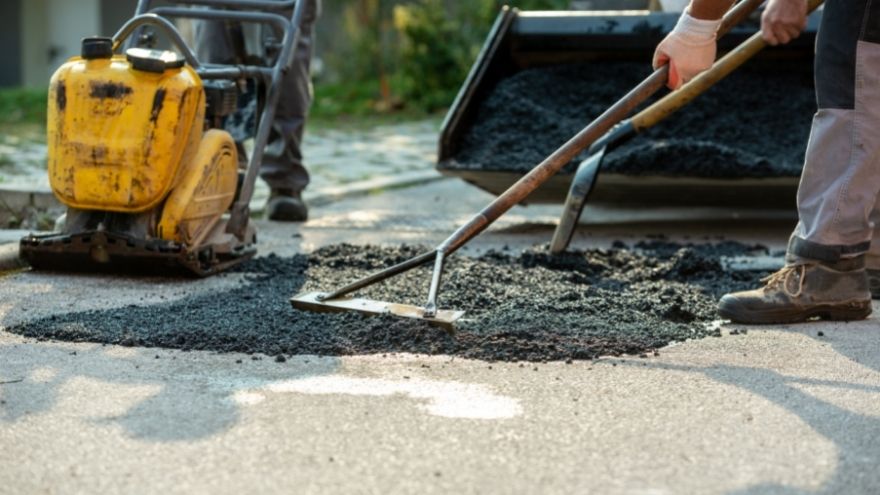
x=831 y=267
x=282 y=167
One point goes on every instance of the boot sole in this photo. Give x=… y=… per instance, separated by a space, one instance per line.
x=850 y=312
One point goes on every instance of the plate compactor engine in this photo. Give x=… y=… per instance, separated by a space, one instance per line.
x=138 y=154
x=131 y=159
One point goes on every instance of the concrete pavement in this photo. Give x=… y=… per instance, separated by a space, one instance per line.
x=776 y=410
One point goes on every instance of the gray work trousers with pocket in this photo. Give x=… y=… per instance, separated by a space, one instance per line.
x=838 y=197
x=225 y=43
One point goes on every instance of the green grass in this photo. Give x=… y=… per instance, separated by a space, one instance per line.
x=359 y=106
x=23 y=106
x=334 y=100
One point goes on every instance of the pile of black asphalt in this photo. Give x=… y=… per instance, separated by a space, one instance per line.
x=526 y=307
x=754 y=124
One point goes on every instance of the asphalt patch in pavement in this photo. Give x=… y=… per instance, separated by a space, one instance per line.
x=754 y=124
x=529 y=307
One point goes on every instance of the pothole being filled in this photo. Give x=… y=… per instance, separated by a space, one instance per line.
x=527 y=307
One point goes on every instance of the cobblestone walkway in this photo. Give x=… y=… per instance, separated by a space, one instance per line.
x=334 y=157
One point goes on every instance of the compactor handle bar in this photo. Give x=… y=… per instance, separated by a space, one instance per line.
x=166 y=27
x=157 y=19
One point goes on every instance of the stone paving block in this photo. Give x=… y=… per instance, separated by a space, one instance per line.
x=13 y=199
x=44 y=200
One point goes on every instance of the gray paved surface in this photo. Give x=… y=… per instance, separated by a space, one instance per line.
x=778 y=410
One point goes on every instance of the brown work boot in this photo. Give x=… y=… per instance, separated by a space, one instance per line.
x=286 y=205
x=799 y=292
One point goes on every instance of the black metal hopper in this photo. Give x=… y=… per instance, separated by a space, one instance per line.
x=520 y=40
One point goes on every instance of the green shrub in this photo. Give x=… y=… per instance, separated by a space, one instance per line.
x=23 y=106
x=440 y=42
x=435 y=52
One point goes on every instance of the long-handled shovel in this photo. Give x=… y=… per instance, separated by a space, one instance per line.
x=338 y=301
x=588 y=171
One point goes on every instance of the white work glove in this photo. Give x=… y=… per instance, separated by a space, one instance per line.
x=689 y=49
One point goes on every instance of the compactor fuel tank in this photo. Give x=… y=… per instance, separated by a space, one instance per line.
x=120 y=128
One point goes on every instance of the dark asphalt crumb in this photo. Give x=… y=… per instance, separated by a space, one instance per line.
x=755 y=123
x=821 y=334
x=534 y=307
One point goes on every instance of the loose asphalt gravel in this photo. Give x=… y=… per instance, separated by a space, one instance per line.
x=754 y=124
x=529 y=307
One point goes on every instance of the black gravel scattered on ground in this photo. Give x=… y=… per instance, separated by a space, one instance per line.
x=756 y=123
x=532 y=307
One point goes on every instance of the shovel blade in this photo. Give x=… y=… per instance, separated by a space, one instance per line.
x=310 y=302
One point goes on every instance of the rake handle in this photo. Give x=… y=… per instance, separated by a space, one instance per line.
x=583 y=140
x=546 y=169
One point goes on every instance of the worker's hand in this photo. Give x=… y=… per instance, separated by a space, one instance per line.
x=689 y=49
x=783 y=21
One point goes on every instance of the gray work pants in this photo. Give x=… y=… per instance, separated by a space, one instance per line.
x=838 y=197
x=223 y=43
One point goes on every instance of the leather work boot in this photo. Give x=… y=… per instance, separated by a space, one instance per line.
x=799 y=292
x=286 y=205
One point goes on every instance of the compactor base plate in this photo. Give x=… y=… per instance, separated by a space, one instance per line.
x=106 y=252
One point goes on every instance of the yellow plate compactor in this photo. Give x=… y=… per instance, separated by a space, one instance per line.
x=137 y=152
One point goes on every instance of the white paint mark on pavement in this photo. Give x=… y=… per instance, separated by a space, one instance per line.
x=445 y=399
x=43 y=375
x=246 y=398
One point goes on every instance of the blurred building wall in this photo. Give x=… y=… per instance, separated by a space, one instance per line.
x=68 y=22
x=10 y=55
x=34 y=32
x=114 y=13
x=40 y=35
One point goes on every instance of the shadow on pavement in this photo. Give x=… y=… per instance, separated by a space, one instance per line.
x=169 y=399
x=855 y=435
x=173 y=399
